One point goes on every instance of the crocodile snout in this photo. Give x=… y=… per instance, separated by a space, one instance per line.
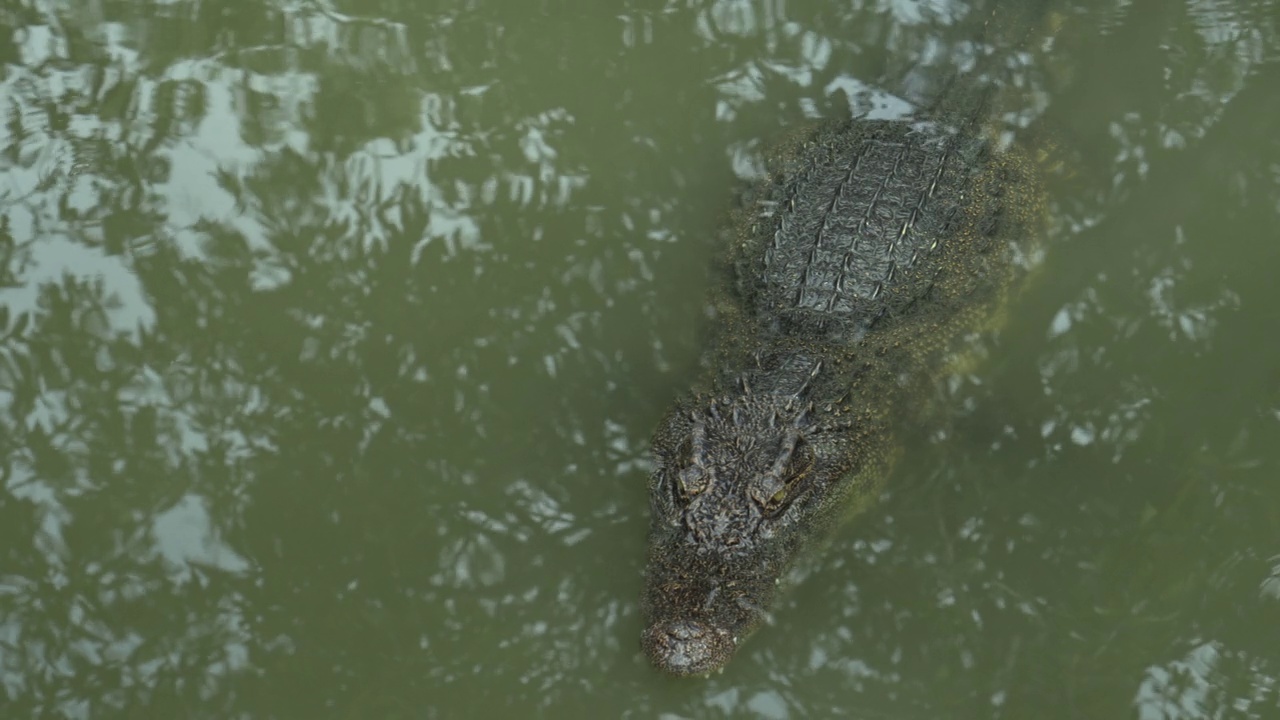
x=687 y=647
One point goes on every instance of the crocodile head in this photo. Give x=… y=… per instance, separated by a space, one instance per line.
x=740 y=485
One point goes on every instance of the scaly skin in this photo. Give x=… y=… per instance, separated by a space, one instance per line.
x=880 y=243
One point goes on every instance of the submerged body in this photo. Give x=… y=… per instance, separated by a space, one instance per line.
x=875 y=245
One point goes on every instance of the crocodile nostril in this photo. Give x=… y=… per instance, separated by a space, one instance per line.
x=687 y=647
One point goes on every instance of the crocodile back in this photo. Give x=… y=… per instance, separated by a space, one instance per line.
x=861 y=218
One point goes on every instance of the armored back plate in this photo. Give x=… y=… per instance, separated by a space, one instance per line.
x=861 y=220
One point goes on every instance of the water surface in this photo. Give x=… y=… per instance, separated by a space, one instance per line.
x=331 y=337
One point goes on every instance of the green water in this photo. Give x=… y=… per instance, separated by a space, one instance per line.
x=331 y=336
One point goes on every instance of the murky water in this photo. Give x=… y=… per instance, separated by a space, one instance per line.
x=331 y=336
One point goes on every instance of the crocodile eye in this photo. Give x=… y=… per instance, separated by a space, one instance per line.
x=772 y=492
x=775 y=502
x=690 y=478
x=769 y=492
x=693 y=480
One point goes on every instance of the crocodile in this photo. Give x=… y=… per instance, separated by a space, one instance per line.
x=869 y=251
